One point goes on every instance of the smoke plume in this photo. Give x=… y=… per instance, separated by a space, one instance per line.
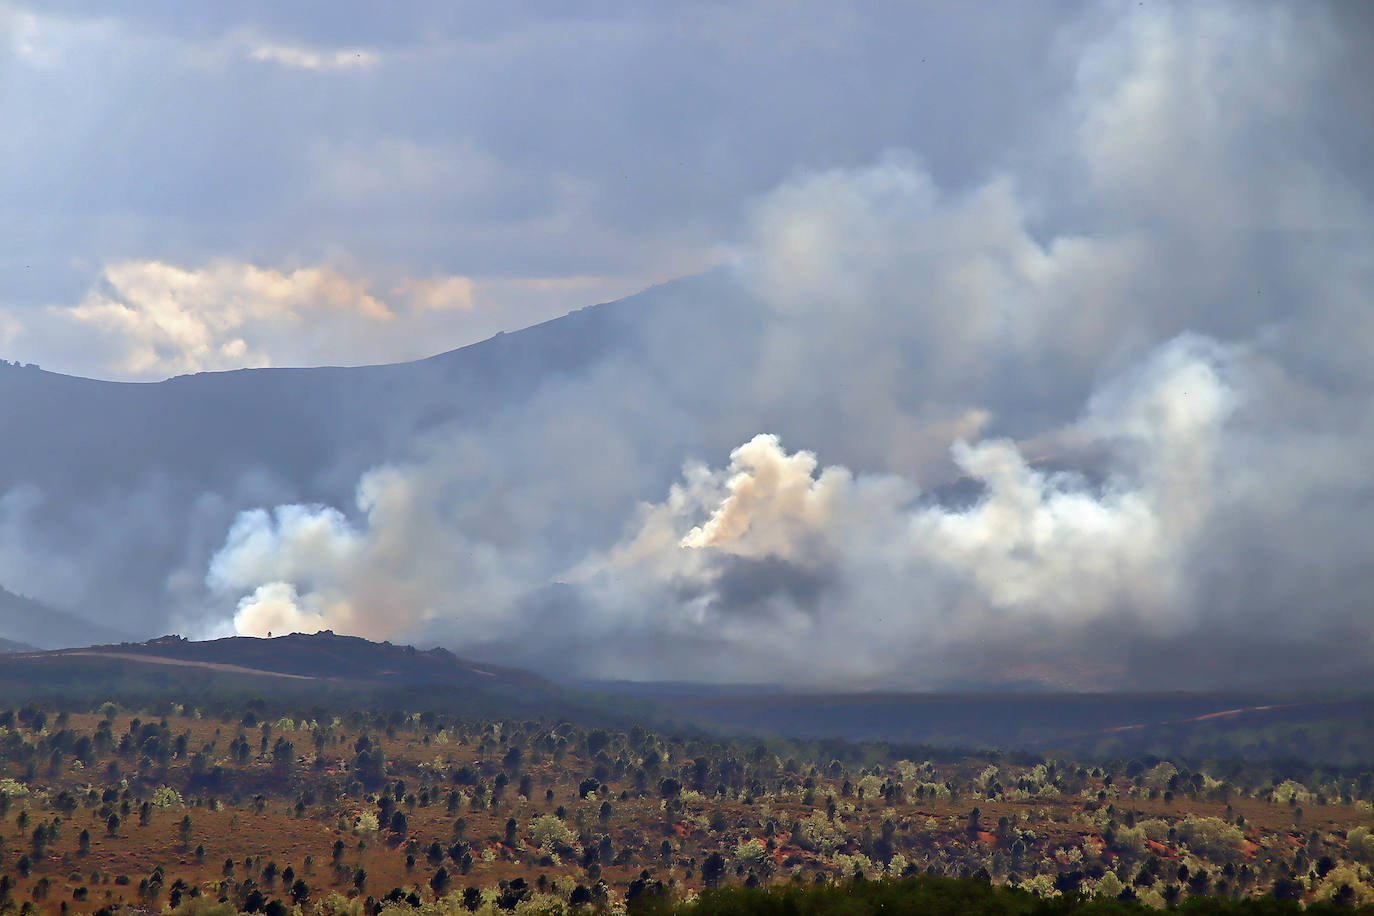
x=1097 y=414
x=1107 y=405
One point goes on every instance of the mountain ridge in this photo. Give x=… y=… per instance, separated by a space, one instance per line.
x=128 y=485
x=27 y=623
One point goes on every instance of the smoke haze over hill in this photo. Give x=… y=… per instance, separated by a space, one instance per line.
x=1099 y=414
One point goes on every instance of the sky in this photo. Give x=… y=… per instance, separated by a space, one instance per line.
x=277 y=184
x=1028 y=342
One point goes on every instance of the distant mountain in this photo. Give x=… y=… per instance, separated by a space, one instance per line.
x=315 y=428
x=520 y=466
x=129 y=486
x=26 y=625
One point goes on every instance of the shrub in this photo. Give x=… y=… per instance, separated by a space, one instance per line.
x=549 y=832
x=1211 y=836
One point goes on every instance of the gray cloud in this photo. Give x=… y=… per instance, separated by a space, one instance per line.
x=528 y=142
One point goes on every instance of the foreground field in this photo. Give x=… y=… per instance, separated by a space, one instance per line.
x=343 y=811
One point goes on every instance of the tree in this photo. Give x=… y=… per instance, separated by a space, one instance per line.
x=440 y=882
x=283 y=755
x=713 y=869
x=112 y=824
x=370 y=763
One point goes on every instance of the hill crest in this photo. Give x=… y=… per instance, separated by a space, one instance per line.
x=325 y=656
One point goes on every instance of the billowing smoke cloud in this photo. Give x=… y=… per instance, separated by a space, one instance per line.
x=903 y=586
x=770 y=560
x=1102 y=415
x=310 y=569
x=1064 y=425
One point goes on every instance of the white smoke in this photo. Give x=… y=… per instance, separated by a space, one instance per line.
x=895 y=582
x=771 y=557
x=310 y=569
x=1105 y=405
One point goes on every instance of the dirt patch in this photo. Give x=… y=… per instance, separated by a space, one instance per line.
x=182 y=663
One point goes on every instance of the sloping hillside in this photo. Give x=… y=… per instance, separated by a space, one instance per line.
x=293 y=669
x=299 y=424
x=125 y=487
x=26 y=625
x=328 y=656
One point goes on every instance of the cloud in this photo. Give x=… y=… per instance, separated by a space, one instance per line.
x=439 y=292
x=161 y=319
x=631 y=152
x=297 y=57
x=152 y=319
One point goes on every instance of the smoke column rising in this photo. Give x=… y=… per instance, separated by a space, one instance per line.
x=1107 y=405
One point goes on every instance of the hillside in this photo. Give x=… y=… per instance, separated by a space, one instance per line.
x=26 y=624
x=211 y=427
x=297 y=668
x=125 y=487
x=323 y=656
x=516 y=474
x=1333 y=729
